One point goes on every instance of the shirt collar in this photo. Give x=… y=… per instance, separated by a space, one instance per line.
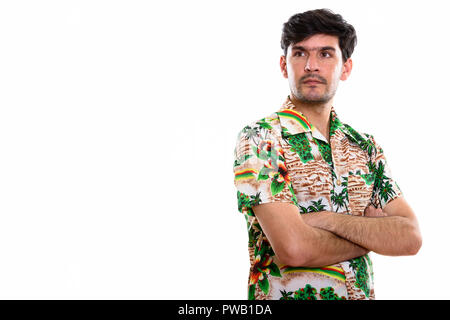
x=294 y=122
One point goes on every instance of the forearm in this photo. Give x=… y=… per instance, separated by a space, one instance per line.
x=296 y=243
x=392 y=235
x=322 y=248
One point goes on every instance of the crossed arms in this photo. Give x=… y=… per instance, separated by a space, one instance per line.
x=323 y=238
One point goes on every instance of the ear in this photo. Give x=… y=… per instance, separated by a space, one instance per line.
x=283 y=66
x=346 y=69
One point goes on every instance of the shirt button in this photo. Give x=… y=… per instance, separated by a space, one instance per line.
x=338 y=182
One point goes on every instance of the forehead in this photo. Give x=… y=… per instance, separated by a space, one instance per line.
x=318 y=41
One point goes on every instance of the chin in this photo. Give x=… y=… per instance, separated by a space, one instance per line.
x=313 y=99
x=318 y=101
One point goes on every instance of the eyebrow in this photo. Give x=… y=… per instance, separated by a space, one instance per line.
x=313 y=49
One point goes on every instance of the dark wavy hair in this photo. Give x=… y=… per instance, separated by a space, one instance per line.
x=320 y=21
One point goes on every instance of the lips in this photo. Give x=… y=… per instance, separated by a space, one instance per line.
x=312 y=82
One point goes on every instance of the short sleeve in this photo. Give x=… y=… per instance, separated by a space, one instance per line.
x=385 y=188
x=260 y=173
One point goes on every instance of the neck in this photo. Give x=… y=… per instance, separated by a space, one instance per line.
x=317 y=114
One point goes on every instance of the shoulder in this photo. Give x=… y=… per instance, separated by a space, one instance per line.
x=258 y=138
x=364 y=140
x=357 y=134
x=263 y=128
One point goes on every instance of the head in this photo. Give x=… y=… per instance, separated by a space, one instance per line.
x=317 y=47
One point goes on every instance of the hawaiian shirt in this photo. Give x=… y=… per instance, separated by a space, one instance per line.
x=283 y=157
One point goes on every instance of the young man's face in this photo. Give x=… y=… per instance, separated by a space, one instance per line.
x=314 y=67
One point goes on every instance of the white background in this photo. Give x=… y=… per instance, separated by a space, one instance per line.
x=118 y=121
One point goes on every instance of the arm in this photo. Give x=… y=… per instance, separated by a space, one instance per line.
x=394 y=234
x=295 y=243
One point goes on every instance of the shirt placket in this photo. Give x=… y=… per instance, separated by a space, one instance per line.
x=339 y=173
x=322 y=144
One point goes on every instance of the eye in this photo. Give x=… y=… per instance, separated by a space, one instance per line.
x=325 y=54
x=299 y=54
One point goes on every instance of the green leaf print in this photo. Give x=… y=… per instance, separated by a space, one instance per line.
x=328 y=294
x=276 y=187
x=360 y=267
x=261 y=154
x=368 y=178
x=274 y=271
x=382 y=184
x=316 y=206
x=263 y=173
x=294 y=197
x=306 y=293
x=246 y=202
x=309 y=293
x=386 y=191
x=242 y=159
x=300 y=144
x=340 y=199
x=355 y=135
x=263 y=124
x=264 y=285
x=250 y=132
x=286 y=295
x=335 y=123
x=251 y=292
x=325 y=151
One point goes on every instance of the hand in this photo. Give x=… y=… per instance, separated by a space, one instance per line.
x=371 y=211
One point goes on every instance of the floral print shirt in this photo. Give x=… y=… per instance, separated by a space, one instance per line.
x=284 y=158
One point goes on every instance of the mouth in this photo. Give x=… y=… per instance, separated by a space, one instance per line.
x=312 y=82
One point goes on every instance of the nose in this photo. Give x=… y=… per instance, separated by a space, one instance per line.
x=311 y=64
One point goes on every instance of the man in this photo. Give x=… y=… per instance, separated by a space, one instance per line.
x=317 y=195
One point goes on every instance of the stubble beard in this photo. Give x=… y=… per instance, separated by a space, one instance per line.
x=313 y=99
